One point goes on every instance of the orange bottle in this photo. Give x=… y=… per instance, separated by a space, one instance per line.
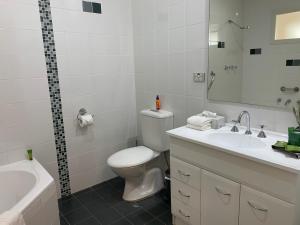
x=157 y=103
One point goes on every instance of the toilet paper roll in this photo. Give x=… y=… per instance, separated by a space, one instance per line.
x=85 y=120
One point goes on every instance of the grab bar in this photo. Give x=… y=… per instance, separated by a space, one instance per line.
x=289 y=90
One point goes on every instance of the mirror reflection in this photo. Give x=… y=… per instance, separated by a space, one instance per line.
x=254 y=52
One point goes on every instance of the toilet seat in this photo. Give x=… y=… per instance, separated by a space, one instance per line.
x=131 y=157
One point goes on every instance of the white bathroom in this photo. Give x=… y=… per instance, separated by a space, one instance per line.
x=162 y=112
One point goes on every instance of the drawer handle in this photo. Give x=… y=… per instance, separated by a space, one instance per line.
x=183 y=174
x=181 y=213
x=182 y=194
x=220 y=191
x=257 y=207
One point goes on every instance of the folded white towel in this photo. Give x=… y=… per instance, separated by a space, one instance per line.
x=199 y=121
x=11 y=218
x=208 y=114
x=203 y=128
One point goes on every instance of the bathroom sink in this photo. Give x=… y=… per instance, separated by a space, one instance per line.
x=233 y=140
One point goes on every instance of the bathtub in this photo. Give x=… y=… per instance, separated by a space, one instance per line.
x=26 y=187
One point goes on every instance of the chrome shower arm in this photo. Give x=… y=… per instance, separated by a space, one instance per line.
x=238 y=25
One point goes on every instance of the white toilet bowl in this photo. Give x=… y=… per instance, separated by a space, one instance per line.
x=142 y=177
x=140 y=166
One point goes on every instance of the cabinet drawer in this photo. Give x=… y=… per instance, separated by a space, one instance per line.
x=257 y=208
x=219 y=201
x=186 y=214
x=185 y=194
x=185 y=173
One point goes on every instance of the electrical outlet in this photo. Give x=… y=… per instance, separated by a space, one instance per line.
x=199 y=77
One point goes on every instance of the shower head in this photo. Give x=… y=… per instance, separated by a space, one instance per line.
x=239 y=26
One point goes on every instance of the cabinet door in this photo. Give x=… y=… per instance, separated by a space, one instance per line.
x=219 y=200
x=261 y=209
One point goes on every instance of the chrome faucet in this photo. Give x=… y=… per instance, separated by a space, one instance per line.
x=247 y=114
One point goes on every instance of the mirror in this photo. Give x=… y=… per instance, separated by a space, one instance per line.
x=254 y=52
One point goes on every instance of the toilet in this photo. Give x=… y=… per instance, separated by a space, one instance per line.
x=143 y=175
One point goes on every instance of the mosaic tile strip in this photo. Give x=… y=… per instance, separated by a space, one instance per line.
x=55 y=97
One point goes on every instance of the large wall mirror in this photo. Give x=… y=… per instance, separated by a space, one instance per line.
x=254 y=52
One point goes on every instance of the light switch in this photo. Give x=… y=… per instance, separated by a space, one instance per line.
x=199 y=77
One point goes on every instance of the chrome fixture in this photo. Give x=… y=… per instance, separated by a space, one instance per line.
x=288 y=102
x=213 y=77
x=262 y=134
x=279 y=100
x=230 y=67
x=289 y=90
x=247 y=114
x=235 y=129
x=239 y=26
x=297 y=114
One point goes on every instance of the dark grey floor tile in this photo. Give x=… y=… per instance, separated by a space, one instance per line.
x=126 y=208
x=140 y=217
x=90 y=221
x=103 y=205
x=111 y=197
x=77 y=215
x=122 y=222
x=103 y=212
x=117 y=183
x=166 y=218
x=103 y=187
x=89 y=196
x=83 y=191
x=157 y=208
x=155 y=222
x=98 y=204
x=63 y=221
x=68 y=205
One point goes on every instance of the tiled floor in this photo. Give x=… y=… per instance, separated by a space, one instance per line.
x=103 y=205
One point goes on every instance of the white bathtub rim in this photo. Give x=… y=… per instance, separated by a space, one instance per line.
x=43 y=181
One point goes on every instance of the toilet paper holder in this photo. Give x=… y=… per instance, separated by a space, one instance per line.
x=82 y=112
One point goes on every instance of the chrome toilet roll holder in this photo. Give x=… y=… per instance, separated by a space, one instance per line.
x=83 y=112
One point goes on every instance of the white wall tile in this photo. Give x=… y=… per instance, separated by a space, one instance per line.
x=196 y=11
x=177 y=40
x=26 y=16
x=176 y=74
x=196 y=37
x=177 y=14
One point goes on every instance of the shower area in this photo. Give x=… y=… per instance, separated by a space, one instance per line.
x=56 y=58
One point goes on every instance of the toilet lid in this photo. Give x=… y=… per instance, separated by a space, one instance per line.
x=130 y=157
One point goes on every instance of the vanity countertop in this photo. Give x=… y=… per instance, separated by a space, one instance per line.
x=261 y=150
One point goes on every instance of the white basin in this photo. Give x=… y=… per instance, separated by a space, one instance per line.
x=233 y=140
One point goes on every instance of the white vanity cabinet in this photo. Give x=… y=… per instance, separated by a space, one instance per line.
x=213 y=187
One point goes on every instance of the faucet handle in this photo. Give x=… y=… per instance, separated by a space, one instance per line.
x=262 y=126
x=262 y=133
x=235 y=129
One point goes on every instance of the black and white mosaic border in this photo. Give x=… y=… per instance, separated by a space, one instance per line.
x=55 y=97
